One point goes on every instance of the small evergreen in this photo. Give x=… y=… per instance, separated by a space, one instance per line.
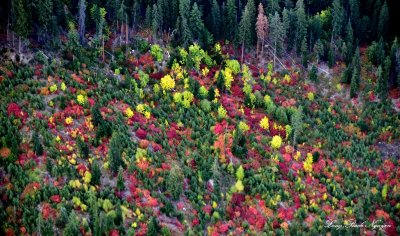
x=37 y=145
x=313 y=73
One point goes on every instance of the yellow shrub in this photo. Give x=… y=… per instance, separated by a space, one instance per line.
x=167 y=83
x=264 y=123
x=128 y=112
x=205 y=71
x=310 y=96
x=228 y=77
x=221 y=112
x=276 y=142
x=239 y=186
x=87 y=177
x=307 y=164
x=53 y=88
x=243 y=126
x=287 y=78
x=267 y=99
x=69 y=120
x=81 y=99
x=63 y=86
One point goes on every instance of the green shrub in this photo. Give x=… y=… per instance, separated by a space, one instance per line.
x=280 y=114
x=205 y=105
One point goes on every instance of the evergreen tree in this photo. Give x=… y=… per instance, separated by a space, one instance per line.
x=186 y=33
x=98 y=15
x=301 y=24
x=276 y=33
x=174 y=182
x=380 y=51
x=288 y=4
x=45 y=11
x=148 y=15
x=199 y=31
x=153 y=229
x=286 y=21
x=156 y=19
x=383 y=25
x=337 y=19
x=120 y=180
x=349 y=41
x=62 y=219
x=245 y=29
x=20 y=20
x=318 y=49
x=82 y=18
x=313 y=73
x=96 y=173
x=72 y=228
x=297 y=123
x=381 y=87
x=395 y=58
x=355 y=78
x=375 y=18
x=184 y=9
x=73 y=40
x=97 y=118
x=304 y=52
x=171 y=9
x=83 y=147
x=37 y=145
x=184 y=19
x=253 y=17
x=384 y=87
x=121 y=17
x=115 y=152
x=272 y=7
x=215 y=17
x=354 y=6
x=118 y=221
x=290 y=28
x=231 y=23
x=161 y=14
x=315 y=29
x=239 y=148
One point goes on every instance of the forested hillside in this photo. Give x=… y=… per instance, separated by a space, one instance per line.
x=185 y=117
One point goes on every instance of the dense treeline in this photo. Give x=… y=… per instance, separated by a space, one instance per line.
x=330 y=30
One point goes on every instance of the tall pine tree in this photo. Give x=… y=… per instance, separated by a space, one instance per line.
x=355 y=78
x=383 y=25
x=20 y=20
x=231 y=23
x=183 y=21
x=45 y=12
x=215 y=19
x=301 y=24
x=337 y=19
x=276 y=33
x=245 y=29
x=156 y=22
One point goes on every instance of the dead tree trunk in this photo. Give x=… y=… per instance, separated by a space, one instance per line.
x=242 y=52
x=19 y=44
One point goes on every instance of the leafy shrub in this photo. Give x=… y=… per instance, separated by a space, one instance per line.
x=156 y=52
x=174 y=182
x=233 y=65
x=280 y=114
x=142 y=45
x=205 y=105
